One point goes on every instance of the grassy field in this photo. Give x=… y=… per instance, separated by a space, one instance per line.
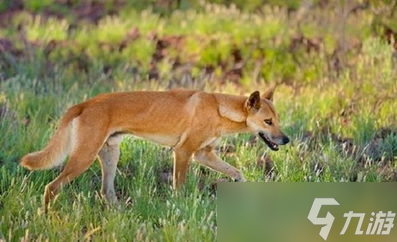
x=334 y=64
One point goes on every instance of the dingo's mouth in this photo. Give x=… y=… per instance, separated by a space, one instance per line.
x=272 y=145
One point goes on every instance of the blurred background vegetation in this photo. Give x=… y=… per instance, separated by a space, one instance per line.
x=242 y=42
x=334 y=63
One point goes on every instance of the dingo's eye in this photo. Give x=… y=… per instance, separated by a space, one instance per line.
x=268 y=121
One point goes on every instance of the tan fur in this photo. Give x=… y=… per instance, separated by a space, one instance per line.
x=188 y=121
x=57 y=148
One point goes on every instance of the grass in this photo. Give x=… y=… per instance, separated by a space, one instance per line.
x=338 y=107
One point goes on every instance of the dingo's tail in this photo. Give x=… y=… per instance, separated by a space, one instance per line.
x=58 y=147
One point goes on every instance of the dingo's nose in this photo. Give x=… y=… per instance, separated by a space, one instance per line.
x=285 y=140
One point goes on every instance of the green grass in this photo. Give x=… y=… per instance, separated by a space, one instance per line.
x=342 y=121
x=148 y=209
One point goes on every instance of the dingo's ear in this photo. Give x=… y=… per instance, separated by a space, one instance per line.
x=268 y=94
x=253 y=102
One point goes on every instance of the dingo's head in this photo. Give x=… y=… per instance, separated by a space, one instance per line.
x=263 y=120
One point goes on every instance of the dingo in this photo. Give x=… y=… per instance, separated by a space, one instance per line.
x=188 y=121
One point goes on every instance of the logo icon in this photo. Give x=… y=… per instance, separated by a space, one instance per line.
x=380 y=223
x=327 y=221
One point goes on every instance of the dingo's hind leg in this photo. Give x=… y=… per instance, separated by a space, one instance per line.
x=109 y=157
x=88 y=138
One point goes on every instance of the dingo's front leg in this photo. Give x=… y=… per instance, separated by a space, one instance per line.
x=181 y=163
x=208 y=158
